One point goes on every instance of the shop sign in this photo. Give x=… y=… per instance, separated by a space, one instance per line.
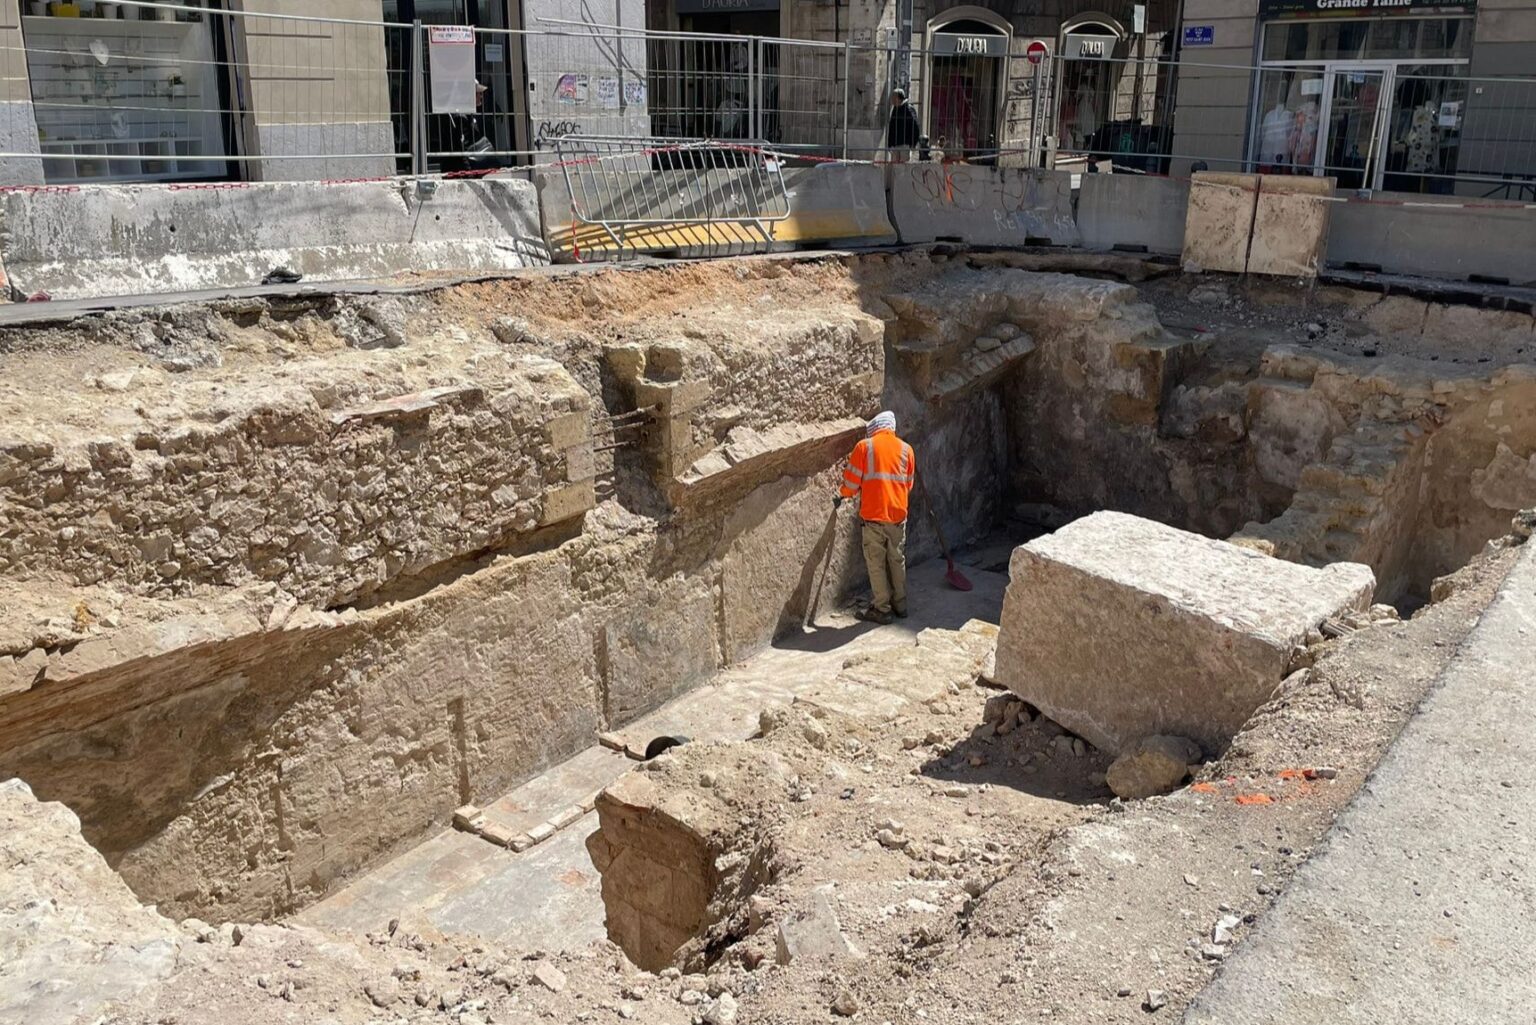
x=1086 y=47
x=1367 y=8
x=952 y=43
x=725 y=6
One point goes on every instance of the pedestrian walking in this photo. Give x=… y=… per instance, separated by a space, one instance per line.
x=881 y=471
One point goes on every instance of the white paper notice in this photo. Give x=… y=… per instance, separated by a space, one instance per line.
x=451 y=50
x=608 y=93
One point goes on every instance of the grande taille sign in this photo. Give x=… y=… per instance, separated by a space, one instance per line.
x=1364 y=8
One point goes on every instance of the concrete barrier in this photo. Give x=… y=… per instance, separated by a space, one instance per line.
x=1132 y=211
x=1290 y=225
x=983 y=206
x=1436 y=238
x=830 y=204
x=106 y=240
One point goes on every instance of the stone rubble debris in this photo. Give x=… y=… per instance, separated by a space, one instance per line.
x=1155 y=765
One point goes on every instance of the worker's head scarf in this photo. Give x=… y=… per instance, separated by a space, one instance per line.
x=885 y=421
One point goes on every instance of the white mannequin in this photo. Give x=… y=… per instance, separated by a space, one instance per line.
x=1275 y=135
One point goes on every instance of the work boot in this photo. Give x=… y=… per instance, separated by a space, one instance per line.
x=899 y=611
x=871 y=615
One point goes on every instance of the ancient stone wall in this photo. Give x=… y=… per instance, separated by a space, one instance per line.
x=463 y=568
x=285 y=582
x=329 y=474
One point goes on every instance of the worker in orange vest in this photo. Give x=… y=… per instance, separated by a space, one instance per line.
x=881 y=471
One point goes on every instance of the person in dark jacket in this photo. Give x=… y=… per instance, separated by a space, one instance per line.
x=465 y=140
x=902 y=131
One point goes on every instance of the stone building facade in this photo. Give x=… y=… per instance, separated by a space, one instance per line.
x=1401 y=95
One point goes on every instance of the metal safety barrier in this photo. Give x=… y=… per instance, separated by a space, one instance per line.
x=631 y=195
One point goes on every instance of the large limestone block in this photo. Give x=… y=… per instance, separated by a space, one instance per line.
x=73 y=938
x=1218 y=225
x=1290 y=225
x=1120 y=628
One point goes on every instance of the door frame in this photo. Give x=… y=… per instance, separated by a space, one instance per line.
x=1374 y=163
x=998 y=26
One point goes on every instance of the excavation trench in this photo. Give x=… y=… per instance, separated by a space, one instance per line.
x=286 y=589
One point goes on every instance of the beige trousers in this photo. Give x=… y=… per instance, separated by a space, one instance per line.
x=885 y=555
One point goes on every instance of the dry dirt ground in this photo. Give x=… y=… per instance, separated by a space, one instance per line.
x=1257 y=313
x=1009 y=887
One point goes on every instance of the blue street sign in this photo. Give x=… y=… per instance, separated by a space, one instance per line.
x=1199 y=35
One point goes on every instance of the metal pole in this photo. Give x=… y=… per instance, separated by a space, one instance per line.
x=847 y=89
x=418 y=102
x=1053 y=110
x=754 y=88
x=1036 y=103
x=904 y=45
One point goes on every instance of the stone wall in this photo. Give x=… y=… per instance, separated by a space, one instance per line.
x=418 y=560
x=447 y=578
x=330 y=480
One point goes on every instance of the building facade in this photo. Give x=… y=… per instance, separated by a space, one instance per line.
x=1402 y=95
x=1407 y=95
x=100 y=92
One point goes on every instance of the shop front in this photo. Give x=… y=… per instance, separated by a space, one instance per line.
x=124 y=93
x=1372 y=92
x=967 y=71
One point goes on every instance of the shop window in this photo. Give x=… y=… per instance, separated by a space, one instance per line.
x=965 y=92
x=1289 y=117
x=133 y=98
x=1424 y=130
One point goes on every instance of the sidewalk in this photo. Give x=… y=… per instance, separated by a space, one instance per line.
x=1421 y=905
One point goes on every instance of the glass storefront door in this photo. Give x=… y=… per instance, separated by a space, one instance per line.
x=1351 y=124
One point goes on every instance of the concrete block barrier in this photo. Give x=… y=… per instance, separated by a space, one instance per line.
x=1257 y=224
x=1132 y=211
x=985 y=206
x=711 y=212
x=109 y=240
x=1437 y=237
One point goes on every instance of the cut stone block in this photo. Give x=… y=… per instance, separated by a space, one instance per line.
x=468 y=818
x=1119 y=628
x=1290 y=225
x=1219 y=221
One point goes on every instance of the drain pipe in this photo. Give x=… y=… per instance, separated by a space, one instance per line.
x=903 y=74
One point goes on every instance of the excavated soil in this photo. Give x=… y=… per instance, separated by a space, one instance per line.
x=1022 y=890
x=322 y=709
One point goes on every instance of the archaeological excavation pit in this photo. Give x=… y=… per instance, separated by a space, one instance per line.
x=291 y=588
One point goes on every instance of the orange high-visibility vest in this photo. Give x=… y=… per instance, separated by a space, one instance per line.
x=880 y=471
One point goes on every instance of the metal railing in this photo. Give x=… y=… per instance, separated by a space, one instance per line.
x=647 y=195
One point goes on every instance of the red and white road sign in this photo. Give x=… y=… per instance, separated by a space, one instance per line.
x=1035 y=52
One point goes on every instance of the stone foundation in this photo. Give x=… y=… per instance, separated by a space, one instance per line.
x=286 y=581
